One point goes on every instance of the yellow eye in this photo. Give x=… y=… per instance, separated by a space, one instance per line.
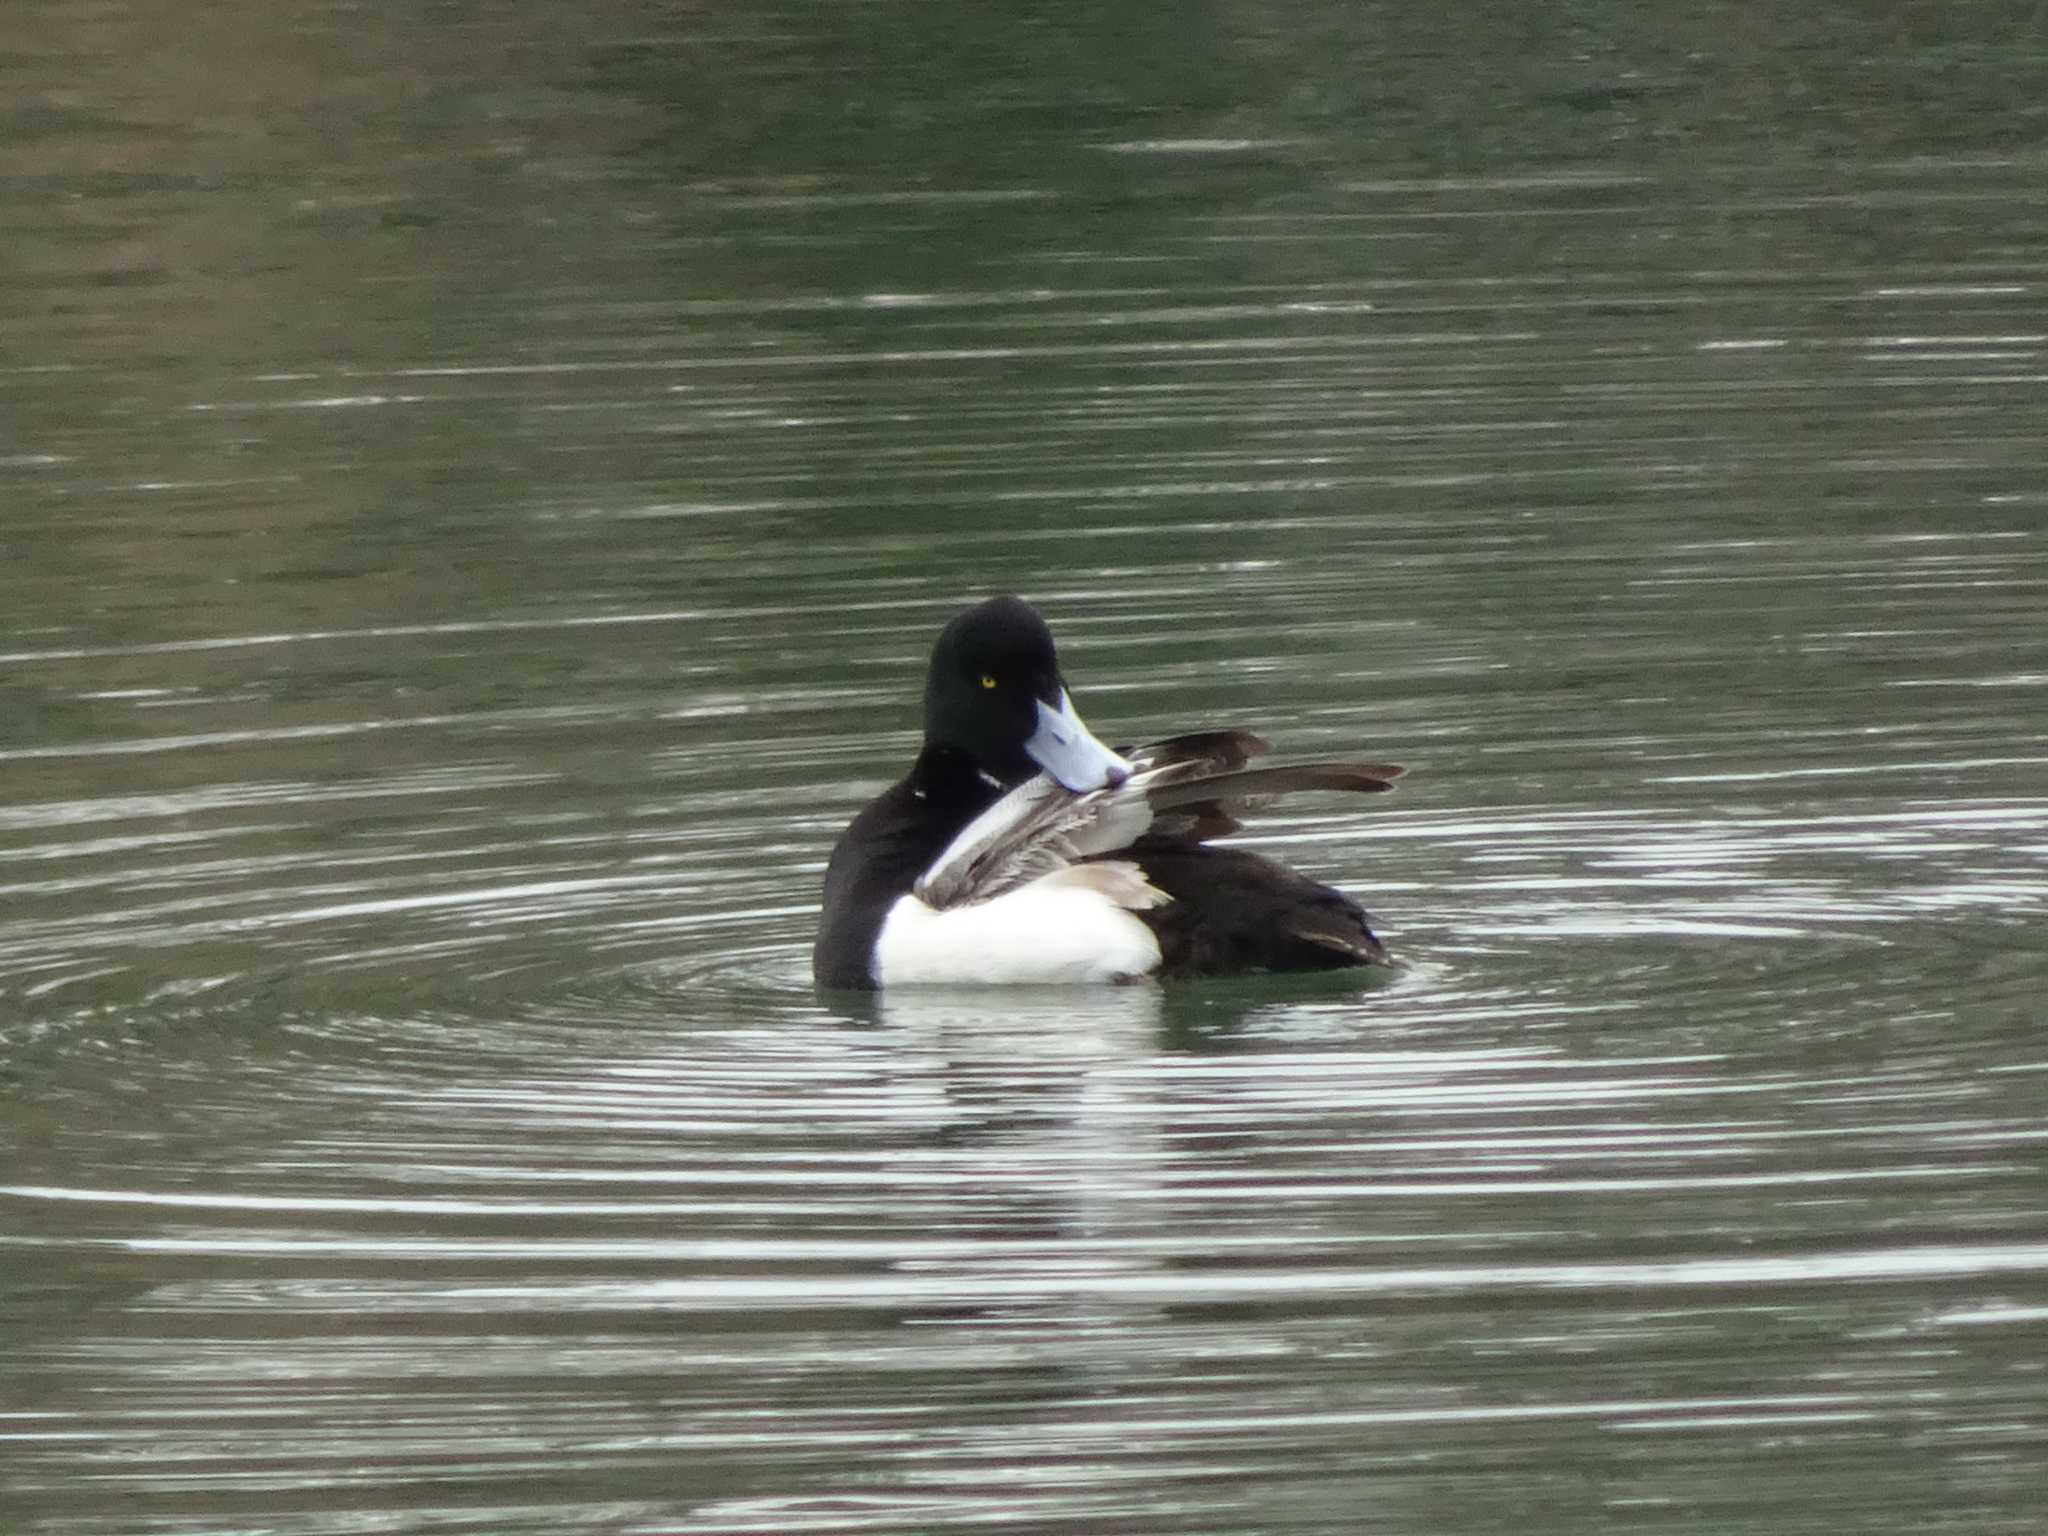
x=988 y=679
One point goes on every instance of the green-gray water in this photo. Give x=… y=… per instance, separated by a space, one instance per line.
x=477 y=490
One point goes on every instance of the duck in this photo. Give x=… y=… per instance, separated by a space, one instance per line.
x=1019 y=849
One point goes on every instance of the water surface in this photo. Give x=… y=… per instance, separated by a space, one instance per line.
x=478 y=498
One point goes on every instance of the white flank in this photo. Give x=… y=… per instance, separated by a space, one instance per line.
x=1071 y=926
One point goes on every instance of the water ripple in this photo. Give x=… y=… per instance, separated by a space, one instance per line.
x=417 y=1113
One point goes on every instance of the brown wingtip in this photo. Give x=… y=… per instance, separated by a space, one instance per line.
x=1354 y=778
x=1230 y=747
x=1352 y=946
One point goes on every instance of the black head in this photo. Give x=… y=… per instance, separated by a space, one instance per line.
x=995 y=694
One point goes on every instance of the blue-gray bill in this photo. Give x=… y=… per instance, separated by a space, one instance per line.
x=1070 y=752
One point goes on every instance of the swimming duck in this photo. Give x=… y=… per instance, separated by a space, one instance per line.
x=1020 y=849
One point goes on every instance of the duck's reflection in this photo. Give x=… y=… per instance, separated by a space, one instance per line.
x=1038 y=1108
x=1000 y=1062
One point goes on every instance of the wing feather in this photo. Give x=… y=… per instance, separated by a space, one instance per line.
x=1191 y=787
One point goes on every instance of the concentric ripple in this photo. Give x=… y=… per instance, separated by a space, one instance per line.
x=465 y=1127
x=424 y=742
